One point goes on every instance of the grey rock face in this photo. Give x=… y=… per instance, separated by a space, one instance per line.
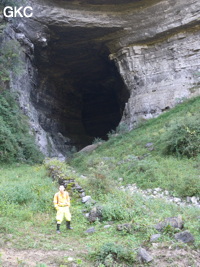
x=1 y=18
x=153 y=44
x=159 y=75
x=144 y=256
x=185 y=237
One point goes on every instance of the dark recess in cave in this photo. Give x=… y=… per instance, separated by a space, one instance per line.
x=80 y=95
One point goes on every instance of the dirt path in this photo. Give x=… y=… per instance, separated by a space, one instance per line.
x=171 y=257
x=29 y=258
x=163 y=257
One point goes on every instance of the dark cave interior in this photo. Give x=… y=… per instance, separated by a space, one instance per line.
x=80 y=94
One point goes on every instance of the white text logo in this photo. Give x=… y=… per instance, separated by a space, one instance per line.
x=13 y=12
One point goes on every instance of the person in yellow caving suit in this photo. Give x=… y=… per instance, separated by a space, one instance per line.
x=62 y=203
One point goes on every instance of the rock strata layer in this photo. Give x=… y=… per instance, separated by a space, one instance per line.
x=90 y=65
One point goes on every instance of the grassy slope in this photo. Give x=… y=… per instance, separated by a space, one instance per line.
x=153 y=169
x=28 y=223
x=27 y=218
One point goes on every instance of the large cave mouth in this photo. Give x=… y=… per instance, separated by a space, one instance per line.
x=81 y=95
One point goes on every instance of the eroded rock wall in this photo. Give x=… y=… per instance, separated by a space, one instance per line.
x=22 y=84
x=155 y=45
x=160 y=75
x=160 y=58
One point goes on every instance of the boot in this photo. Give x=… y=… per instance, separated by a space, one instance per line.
x=68 y=225
x=58 y=228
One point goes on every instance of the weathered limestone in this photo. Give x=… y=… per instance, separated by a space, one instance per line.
x=160 y=75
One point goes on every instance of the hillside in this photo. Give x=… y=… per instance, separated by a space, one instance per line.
x=27 y=231
x=161 y=152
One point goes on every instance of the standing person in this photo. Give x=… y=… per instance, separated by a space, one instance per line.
x=62 y=203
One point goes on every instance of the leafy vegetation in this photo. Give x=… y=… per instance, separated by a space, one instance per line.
x=183 y=138
x=110 y=254
x=16 y=143
x=9 y=60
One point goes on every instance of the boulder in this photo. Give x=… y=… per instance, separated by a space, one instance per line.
x=90 y=230
x=95 y=214
x=86 y=199
x=107 y=226
x=194 y=200
x=82 y=194
x=127 y=227
x=149 y=146
x=144 y=256
x=175 y=222
x=90 y=148
x=154 y=237
x=185 y=237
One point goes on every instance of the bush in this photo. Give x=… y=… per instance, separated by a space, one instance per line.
x=16 y=143
x=36 y=195
x=119 y=206
x=183 y=138
x=111 y=253
x=18 y=194
x=9 y=60
x=99 y=180
x=189 y=187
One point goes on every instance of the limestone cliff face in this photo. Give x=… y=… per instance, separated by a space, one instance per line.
x=91 y=64
x=160 y=75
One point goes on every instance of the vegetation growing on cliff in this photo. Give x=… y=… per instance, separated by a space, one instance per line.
x=9 y=61
x=16 y=143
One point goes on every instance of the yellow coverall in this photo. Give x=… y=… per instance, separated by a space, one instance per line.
x=62 y=204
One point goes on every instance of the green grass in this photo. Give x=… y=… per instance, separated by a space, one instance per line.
x=126 y=156
x=22 y=226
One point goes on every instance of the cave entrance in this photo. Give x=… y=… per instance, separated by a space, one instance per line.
x=81 y=95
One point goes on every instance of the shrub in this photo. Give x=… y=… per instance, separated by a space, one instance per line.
x=16 y=143
x=111 y=253
x=36 y=195
x=99 y=180
x=189 y=187
x=183 y=138
x=9 y=60
x=118 y=206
